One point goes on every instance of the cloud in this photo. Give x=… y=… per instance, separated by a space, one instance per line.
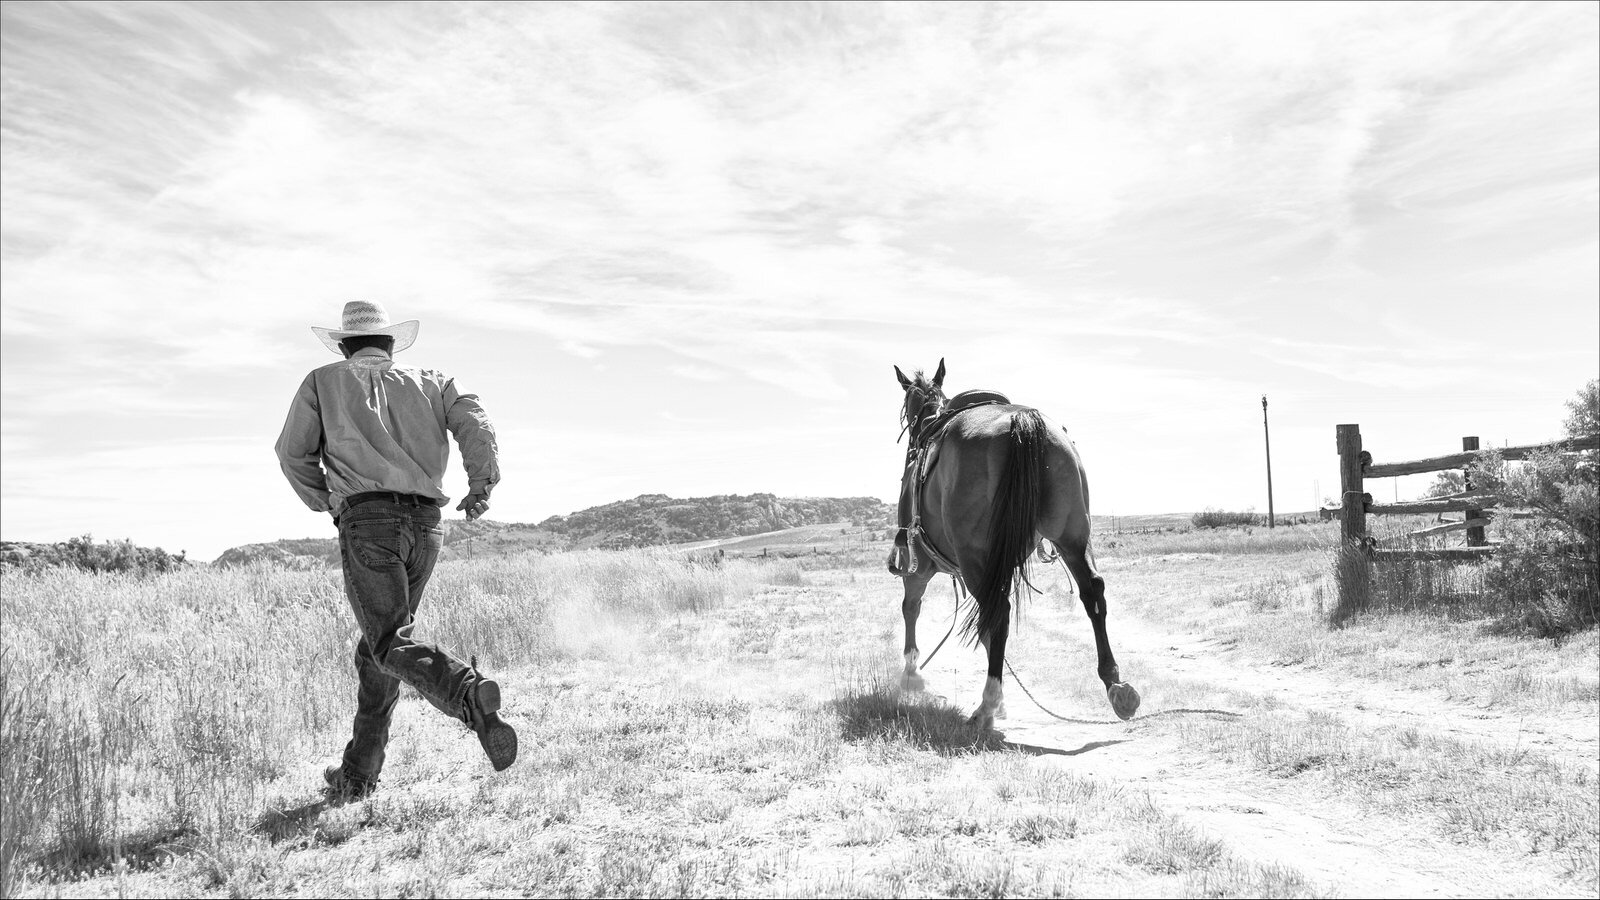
x=1136 y=213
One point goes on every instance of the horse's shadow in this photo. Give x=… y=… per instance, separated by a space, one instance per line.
x=928 y=722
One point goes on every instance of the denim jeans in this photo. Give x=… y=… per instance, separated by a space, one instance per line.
x=389 y=550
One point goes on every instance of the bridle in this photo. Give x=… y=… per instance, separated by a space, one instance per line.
x=912 y=422
x=916 y=470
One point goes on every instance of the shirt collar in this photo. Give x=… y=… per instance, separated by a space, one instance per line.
x=370 y=351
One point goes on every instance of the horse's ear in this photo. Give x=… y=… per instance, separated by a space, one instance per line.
x=938 y=377
x=904 y=381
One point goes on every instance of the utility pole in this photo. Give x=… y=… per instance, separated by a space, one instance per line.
x=1272 y=521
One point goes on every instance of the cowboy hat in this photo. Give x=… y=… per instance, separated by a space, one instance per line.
x=362 y=318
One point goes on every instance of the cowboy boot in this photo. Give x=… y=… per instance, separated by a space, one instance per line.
x=347 y=785
x=481 y=711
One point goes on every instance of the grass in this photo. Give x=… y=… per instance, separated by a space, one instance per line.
x=1511 y=800
x=694 y=730
x=162 y=735
x=1279 y=615
x=1230 y=541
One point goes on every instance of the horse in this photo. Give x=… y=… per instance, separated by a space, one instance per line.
x=985 y=482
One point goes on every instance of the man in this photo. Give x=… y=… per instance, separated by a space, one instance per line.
x=366 y=441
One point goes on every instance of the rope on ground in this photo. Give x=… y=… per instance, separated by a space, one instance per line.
x=955 y=583
x=1163 y=712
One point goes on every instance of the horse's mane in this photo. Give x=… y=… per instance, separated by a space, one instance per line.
x=922 y=383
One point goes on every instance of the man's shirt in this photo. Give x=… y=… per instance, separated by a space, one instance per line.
x=366 y=424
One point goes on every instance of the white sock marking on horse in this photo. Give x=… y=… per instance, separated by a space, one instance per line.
x=994 y=701
x=911 y=679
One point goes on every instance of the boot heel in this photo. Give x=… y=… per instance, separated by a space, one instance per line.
x=488 y=696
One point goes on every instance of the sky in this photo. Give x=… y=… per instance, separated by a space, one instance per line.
x=678 y=247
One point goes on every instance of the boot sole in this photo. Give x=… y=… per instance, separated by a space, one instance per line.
x=499 y=742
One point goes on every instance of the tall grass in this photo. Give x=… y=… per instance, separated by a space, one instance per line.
x=142 y=714
x=1530 y=585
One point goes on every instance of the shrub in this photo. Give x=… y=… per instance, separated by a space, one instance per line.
x=83 y=553
x=1216 y=518
x=1446 y=483
x=1544 y=570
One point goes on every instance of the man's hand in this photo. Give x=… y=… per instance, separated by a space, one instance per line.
x=474 y=504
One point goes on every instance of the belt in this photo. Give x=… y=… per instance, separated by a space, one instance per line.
x=391 y=497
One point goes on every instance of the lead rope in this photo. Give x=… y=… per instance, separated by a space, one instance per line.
x=955 y=614
x=1048 y=712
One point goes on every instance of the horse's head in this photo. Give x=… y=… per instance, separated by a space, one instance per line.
x=924 y=398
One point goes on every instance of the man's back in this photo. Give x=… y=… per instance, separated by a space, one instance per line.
x=375 y=425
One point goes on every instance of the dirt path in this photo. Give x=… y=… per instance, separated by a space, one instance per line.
x=1570 y=736
x=1341 y=848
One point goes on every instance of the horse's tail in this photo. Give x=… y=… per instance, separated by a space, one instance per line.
x=1012 y=525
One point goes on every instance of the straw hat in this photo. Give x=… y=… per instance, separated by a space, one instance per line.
x=363 y=317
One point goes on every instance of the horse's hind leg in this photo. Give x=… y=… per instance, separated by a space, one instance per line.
x=992 y=683
x=993 y=704
x=910 y=678
x=1079 y=559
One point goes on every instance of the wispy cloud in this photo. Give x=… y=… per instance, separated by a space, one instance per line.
x=1140 y=214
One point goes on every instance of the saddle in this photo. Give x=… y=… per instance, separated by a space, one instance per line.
x=920 y=459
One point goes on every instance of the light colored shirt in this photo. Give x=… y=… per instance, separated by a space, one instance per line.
x=366 y=424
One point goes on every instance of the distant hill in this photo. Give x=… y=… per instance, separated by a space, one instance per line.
x=651 y=519
x=646 y=520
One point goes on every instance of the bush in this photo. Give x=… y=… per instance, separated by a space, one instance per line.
x=83 y=553
x=1545 y=567
x=1445 y=484
x=1216 y=518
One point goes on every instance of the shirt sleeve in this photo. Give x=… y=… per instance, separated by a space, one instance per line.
x=470 y=425
x=300 y=448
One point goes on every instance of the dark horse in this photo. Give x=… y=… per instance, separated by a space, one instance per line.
x=985 y=481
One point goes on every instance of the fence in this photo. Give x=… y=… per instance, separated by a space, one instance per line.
x=1355 y=504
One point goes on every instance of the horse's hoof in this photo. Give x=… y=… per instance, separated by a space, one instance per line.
x=912 y=682
x=1124 y=700
x=982 y=721
x=1000 y=711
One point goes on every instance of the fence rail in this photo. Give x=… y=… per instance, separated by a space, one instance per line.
x=1355 y=504
x=1465 y=458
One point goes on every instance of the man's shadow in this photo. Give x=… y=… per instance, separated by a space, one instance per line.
x=301 y=821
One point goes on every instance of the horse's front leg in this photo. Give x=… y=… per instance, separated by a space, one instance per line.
x=915 y=585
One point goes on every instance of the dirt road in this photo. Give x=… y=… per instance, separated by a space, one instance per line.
x=1343 y=847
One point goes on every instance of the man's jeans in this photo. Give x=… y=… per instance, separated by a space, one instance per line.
x=389 y=550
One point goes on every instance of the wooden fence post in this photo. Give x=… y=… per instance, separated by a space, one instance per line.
x=1475 y=535
x=1352 y=497
x=1352 y=574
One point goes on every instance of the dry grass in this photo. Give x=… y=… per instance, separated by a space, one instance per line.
x=1278 y=614
x=667 y=752
x=688 y=730
x=1231 y=541
x=1514 y=801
